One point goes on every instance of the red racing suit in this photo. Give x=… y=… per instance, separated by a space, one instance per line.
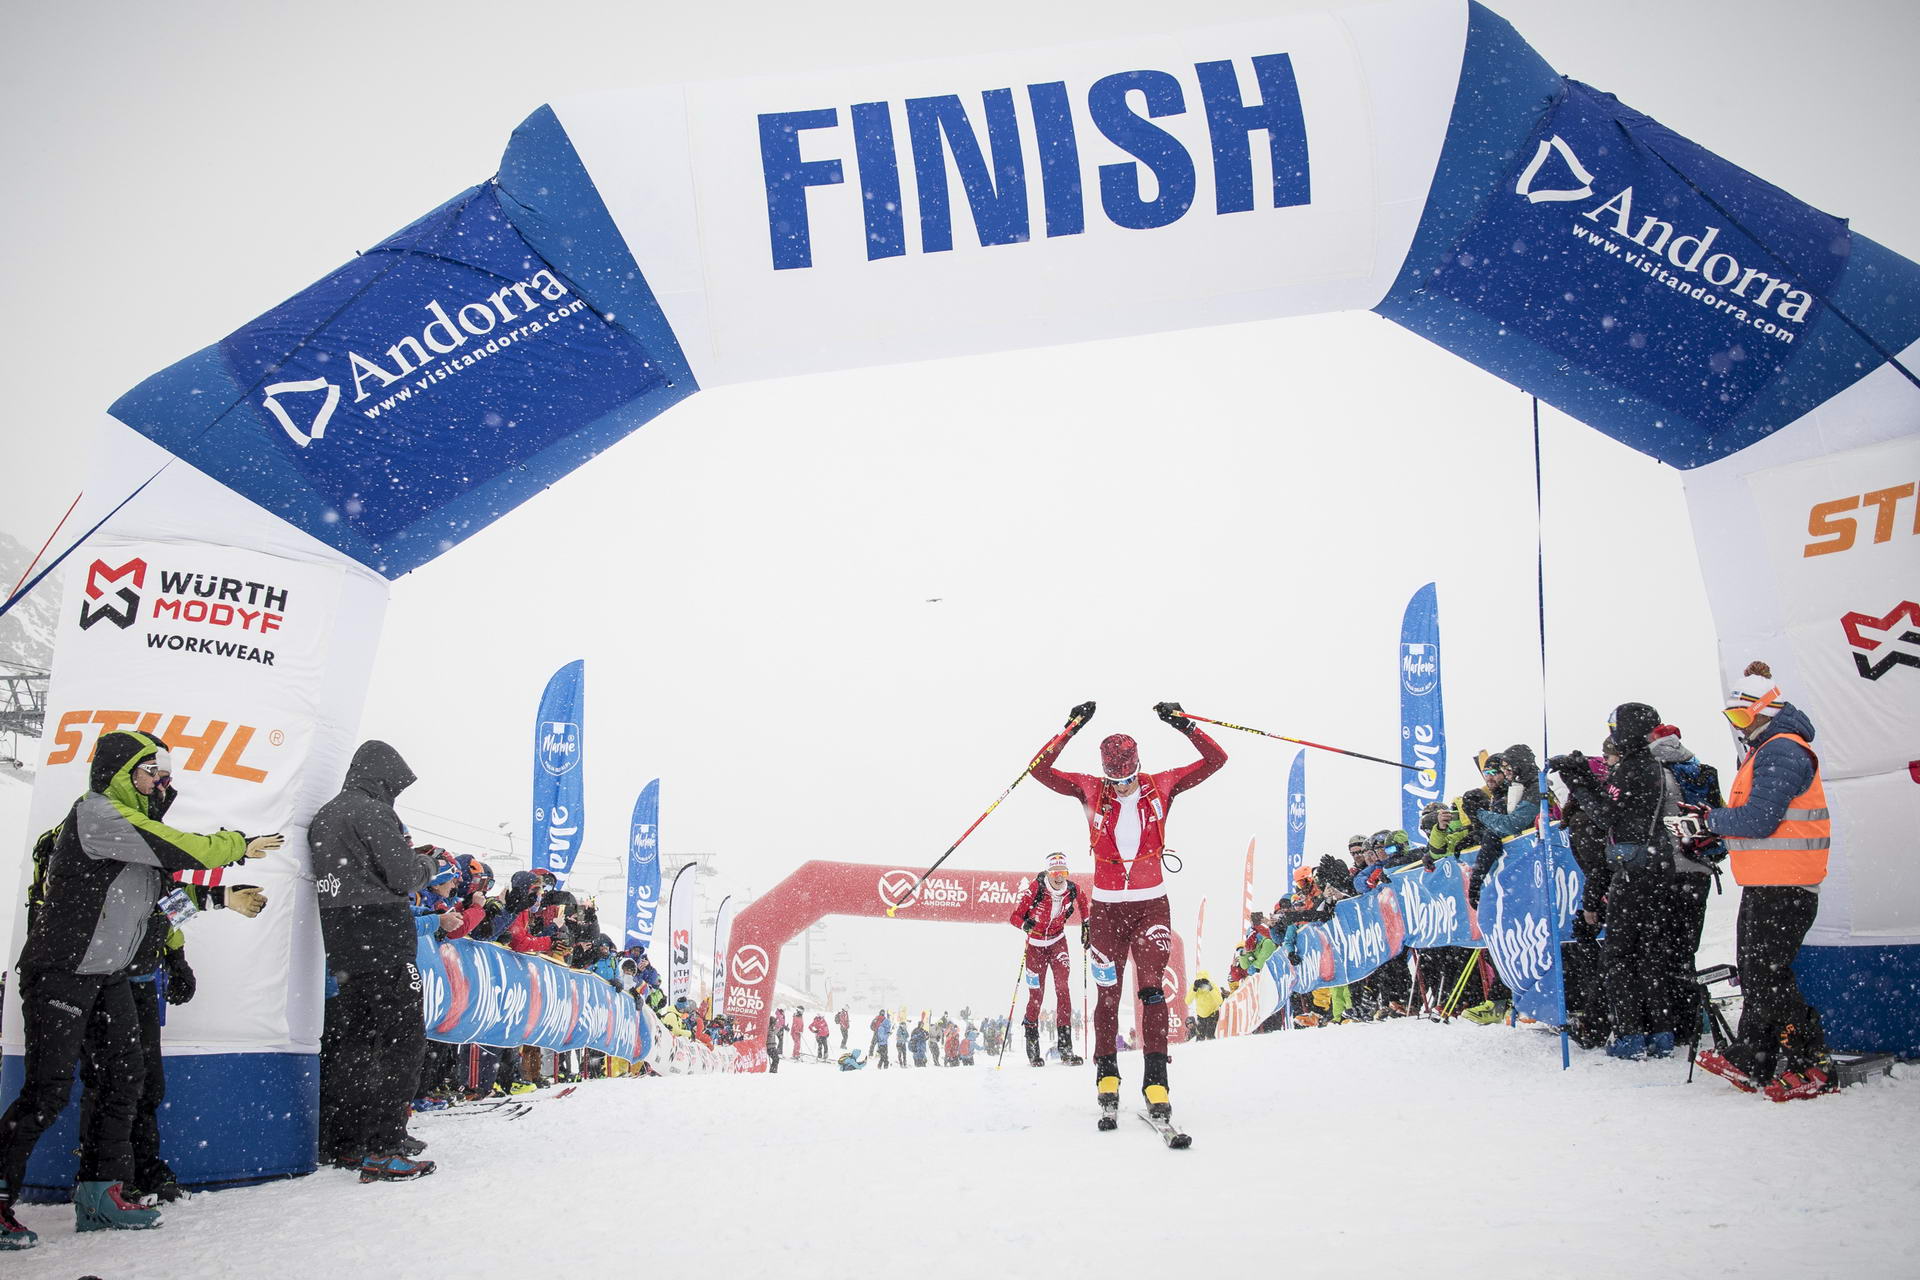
x=1128 y=914
x=1045 y=920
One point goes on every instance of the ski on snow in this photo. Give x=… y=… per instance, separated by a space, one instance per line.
x=1174 y=1138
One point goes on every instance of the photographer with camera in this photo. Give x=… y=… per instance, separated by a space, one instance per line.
x=1639 y=952
x=106 y=868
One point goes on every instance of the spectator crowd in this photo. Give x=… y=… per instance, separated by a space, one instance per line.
x=1649 y=826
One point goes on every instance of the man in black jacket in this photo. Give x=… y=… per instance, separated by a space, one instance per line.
x=365 y=869
x=89 y=914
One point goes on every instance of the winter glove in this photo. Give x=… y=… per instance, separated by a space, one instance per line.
x=1474 y=881
x=180 y=983
x=1086 y=932
x=1079 y=715
x=261 y=846
x=1170 y=712
x=1028 y=927
x=246 y=899
x=161 y=800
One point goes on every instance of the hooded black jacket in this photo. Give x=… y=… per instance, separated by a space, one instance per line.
x=364 y=867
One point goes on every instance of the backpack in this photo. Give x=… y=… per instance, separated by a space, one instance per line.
x=43 y=848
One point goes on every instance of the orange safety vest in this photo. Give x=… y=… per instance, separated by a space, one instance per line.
x=1796 y=852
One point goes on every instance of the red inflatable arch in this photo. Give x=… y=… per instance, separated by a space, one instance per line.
x=820 y=889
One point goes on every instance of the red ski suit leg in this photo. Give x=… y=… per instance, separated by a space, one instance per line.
x=1053 y=957
x=1143 y=930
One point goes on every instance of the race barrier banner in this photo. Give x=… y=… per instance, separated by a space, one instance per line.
x=482 y=993
x=559 y=785
x=1250 y=1004
x=1420 y=908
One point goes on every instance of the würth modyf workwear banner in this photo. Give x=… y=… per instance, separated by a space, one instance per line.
x=682 y=909
x=559 y=780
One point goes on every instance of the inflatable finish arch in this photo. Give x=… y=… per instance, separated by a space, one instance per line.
x=1412 y=157
x=819 y=889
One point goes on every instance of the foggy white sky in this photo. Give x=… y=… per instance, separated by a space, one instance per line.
x=1232 y=517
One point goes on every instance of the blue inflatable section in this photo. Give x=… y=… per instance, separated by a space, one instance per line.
x=1583 y=252
x=455 y=369
x=228 y=1118
x=1865 y=996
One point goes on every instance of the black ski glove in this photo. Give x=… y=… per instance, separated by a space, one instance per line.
x=1170 y=712
x=1086 y=932
x=180 y=982
x=1080 y=715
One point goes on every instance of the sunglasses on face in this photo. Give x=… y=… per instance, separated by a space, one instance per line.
x=153 y=772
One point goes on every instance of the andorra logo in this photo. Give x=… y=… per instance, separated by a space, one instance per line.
x=316 y=428
x=749 y=965
x=1553 y=146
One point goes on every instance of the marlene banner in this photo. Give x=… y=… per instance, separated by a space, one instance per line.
x=1534 y=882
x=481 y=993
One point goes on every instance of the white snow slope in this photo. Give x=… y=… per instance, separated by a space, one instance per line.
x=1405 y=1149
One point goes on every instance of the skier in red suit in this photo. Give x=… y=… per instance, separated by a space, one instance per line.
x=1043 y=912
x=1126 y=811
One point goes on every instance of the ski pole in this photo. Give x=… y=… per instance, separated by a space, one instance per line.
x=1319 y=746
x=908 y=895
x=1459 y=989
x=1006 y=1029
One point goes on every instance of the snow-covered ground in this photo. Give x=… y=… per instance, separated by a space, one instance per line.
x=1399 y=1149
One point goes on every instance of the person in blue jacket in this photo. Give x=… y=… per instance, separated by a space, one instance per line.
x=881 y=1035
x=917 y=1041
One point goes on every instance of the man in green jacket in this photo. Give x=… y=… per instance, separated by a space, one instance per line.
x=110 y=866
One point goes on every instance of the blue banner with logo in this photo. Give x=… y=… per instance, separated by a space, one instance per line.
x=559 y=787
x=1526 y=911
x=1423 y=729
x=1296 y=818
x=643 y=867
x=1423 y=907
x=1631 y=278
x=439 y=379
x=483 y=993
